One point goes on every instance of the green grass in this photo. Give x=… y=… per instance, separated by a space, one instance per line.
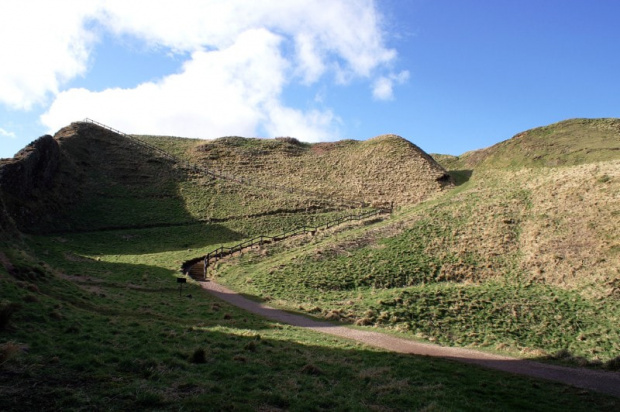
x=458 y=265
x=519 y=261
x=567 y=143
x=105 y=328
x=536 y=320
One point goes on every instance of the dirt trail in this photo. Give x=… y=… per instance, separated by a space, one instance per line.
x=599 y=381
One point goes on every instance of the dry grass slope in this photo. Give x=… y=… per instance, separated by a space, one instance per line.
x=381 y=170
x=567 y=176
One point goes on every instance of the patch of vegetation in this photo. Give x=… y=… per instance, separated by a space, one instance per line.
x=7 y=309
x=567 y=143
x=115 y=331
x=503 y=315
x=521 y=260
x=485 y=272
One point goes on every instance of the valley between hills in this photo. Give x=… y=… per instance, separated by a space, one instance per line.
x=512 y=249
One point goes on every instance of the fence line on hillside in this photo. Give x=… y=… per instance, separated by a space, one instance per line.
x=222 y=251
x=240 y=180
x=139 y=142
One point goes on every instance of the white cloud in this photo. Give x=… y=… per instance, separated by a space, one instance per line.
x=310 y=62
x=4 y=133
x=43 y=44
x=347 y=30
x=312 y=126
x=242 y=55
x=382 y=88
x=217 y=93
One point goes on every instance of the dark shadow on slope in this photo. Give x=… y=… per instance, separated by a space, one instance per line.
x=184 y=239
x=460 y=176
x=87 y=178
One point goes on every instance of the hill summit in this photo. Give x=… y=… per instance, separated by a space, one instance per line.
x=89 y=178
x=567 y=143
x=383 y=169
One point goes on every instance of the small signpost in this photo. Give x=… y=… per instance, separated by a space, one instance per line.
x=181 y=281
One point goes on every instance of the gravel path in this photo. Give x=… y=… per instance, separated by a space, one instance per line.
x=599 y=381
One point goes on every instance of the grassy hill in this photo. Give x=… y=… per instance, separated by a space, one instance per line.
x=511 y=261
x=89 y=178
x=567 y=143
x=522 y=260
x=380 y=170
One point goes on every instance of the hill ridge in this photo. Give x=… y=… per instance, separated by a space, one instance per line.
x=565 y=143
x=214 y=172
x=99 y=177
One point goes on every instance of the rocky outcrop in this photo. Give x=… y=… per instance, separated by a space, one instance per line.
x=33 y=168
x=7 y=226
x=25 y=182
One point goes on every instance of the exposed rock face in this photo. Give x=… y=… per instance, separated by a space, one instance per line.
x=25 y=179
x=7 y=226
x=34 y=167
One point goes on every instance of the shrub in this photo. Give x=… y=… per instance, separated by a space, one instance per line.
x=310 y=369
x=290 y=140
x=613 y=364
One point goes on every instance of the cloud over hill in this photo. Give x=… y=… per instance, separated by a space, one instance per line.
x=237 y=59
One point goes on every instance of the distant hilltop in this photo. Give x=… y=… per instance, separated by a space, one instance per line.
x=87 y=177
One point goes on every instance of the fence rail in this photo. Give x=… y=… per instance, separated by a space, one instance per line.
x=135 y=140
x=223 y=251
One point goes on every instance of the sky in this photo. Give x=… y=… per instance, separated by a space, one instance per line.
x=448 y=75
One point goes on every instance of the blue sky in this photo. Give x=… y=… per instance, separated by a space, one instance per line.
x=450 y=76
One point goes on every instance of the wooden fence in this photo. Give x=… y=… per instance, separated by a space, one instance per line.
x=135 y=140
x=223 y=251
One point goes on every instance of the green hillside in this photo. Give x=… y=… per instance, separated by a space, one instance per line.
x=94 y=227
x=518 y=262
x=518 y=258
x=380 y=170
x=89 y=178
x=567 y=143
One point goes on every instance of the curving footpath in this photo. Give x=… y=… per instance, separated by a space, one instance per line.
x=599 y=381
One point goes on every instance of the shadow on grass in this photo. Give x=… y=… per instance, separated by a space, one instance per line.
x=119 y=336
x=605 y=382
x=461 y=176
x=141 y=241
